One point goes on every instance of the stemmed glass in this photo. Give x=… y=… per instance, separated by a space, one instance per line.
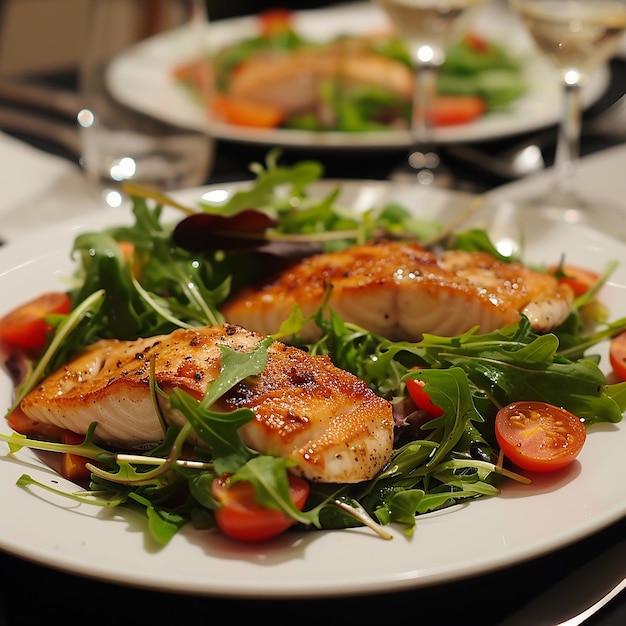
x=428 y=28
x=577 y=36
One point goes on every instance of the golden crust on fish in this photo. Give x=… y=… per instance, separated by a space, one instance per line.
x=403 y=291
x=325 y=419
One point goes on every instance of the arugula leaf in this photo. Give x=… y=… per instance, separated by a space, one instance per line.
x=160 y=288
x=477 y=240
x=509 y=364
x=262 y=195
x=516 y=364
x=218 y=429
x=86 y=449
x=449 y=389
x=163 y=524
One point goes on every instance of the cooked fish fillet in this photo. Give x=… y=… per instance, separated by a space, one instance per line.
x=292 y=81
x=325 y=419
x=402 y=291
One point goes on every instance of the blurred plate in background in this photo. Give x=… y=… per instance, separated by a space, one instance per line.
x=142 y=80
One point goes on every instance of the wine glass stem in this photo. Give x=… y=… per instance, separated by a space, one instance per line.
x=424 y=158
x=424 y=102
x=568 y=143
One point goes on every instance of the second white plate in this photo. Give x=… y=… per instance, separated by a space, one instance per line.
x=142 y=79
x=522 y=523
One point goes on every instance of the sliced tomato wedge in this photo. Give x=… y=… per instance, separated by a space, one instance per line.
x=538 y=436
x=242 y=518
x=25 y=327
x=579 y=279
x=476 y=42
x=421 y=398
x=73 y=466
x=617 y=355
x=274 y=21
x=457 y=109
x=242 y=112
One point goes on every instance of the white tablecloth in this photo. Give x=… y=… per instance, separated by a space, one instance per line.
x=38 y=189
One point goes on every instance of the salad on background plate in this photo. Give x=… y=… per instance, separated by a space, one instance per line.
x=352 y=84
x=499 y=80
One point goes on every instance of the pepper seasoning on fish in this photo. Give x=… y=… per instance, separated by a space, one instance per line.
x=402 y=291
x=328 y=421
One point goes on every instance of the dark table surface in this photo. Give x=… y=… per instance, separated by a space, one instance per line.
x=33 y=594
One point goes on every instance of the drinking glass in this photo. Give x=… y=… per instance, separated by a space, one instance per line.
x=428 y=28
x=577 y=37
x=119 y=142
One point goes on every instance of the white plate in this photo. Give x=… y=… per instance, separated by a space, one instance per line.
x=141 y=79
x=484 y=535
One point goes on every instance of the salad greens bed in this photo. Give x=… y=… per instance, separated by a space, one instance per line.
x=167 y=284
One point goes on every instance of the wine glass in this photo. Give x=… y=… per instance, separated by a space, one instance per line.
x=577 y=37
x=428 y=28
x=128 y=44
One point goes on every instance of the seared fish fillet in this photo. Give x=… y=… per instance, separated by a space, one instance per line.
x=402 y=291
x=293 y=81
x=325 y=419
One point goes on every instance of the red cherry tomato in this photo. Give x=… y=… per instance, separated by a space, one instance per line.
x=274 y=21
x=476 y=42
x=538 y=436
x=242 y=112
x=578 y=278
x=242 y=518
x=617 y=355
x=421 y=398
x=457 y=109
x=25 y=327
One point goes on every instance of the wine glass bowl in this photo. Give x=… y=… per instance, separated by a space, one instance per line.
x=428 y=28
x=120 y=143
x=576 y=37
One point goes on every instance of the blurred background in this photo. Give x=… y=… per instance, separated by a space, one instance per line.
x=219 y=9
x=42 y=40
x=53 y=41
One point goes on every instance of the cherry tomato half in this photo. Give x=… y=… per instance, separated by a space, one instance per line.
x=617 y=355
x=242 y=518
x=538 y=436
x=274 y=21
x=421 y=398
x=242 y=112
x=578 y=278
x=451 y=109
x=25 y=327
